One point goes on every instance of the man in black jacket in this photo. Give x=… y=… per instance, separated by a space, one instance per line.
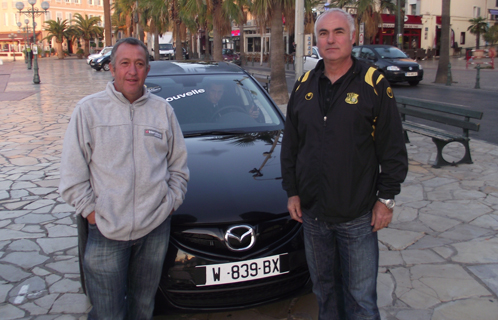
x=342 y=124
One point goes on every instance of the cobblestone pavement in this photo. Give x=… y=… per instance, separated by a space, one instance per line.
x=438 y=260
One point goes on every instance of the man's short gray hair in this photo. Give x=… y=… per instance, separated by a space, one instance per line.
x=346 y=15
x=133 y=42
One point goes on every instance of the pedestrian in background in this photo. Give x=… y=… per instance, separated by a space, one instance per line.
x=124 y=168
x=342 y=124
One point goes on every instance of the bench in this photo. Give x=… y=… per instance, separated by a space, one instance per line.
x=264 y=80
x=438 y=112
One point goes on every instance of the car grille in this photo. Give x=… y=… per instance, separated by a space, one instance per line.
x=407 y=69
x=210 y=240
x=236 y=295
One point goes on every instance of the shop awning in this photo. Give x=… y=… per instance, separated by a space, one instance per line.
x=493 y=12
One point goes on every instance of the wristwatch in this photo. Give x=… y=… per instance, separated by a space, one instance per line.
x=388 y=202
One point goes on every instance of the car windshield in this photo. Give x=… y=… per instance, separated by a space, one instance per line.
x=166 y=46
x=390 y=53
x=189 y=96
x=227 y=51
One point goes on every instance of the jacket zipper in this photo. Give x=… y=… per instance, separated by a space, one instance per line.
x=132 y=112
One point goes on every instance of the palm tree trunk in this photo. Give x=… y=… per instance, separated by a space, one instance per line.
x=178 y=41
x=107 y=23
x=278 y=84
x=478 y=36
x=243 y=59
x=60 y=53
x=444 y=56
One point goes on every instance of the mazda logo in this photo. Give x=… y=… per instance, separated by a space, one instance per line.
x=240 y=238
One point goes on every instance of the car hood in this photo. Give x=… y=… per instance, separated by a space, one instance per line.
x=401 y=62
x=233 y=178
x=95 y=55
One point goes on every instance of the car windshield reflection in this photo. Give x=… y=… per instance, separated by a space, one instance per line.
x=238 y=96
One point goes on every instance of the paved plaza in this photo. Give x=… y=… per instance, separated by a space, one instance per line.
x=438 y=259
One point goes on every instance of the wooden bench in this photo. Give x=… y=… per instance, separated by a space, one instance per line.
x=438 y=112
x=264 y=80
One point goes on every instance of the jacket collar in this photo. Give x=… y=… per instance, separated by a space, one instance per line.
x=320 y=67
x=111 y=91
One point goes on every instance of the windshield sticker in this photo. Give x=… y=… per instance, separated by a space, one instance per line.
x=186 y=94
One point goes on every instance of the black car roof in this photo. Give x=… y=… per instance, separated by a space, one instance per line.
x=160 y=68
x=376 y=46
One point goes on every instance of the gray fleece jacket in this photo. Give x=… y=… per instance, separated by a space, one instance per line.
x=125 y=161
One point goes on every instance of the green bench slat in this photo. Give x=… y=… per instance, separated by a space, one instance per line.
x=439 y=118
x=440 y=107
x=431 y=131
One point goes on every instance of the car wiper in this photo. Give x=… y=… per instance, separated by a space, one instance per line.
x=213 y=133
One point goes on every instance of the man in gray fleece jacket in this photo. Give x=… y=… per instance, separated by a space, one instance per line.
x=124 y=169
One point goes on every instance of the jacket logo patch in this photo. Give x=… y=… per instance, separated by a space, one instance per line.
x=390 y=92
x=153 y=133
x=352 y=98
x=309 y=96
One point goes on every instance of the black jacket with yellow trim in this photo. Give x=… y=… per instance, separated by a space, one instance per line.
x=331 y=161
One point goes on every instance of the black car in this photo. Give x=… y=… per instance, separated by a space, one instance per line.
x=393 y=63
x=102 y=62
x=233 y=244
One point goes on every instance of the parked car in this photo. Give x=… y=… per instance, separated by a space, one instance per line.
x=229 y=55
x=311 y=61
x=233 y=244
x=94 y=56
x=393 y=63
x=102 y=62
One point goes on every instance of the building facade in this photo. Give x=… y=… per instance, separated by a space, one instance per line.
x=14 y=38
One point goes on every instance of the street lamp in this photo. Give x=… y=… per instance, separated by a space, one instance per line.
x=33 y=12
x=12 y=36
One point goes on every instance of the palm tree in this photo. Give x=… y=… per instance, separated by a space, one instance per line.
x=492 y=35
x=156 y=13
x=269 y=13
x=107 y=23
x=478 y=26
x=444 y=55
x=58 y=30
x=87 y=29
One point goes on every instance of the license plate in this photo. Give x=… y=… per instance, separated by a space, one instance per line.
x=233 y=272
x=411 y=74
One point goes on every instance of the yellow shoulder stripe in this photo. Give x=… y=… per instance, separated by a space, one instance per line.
x=379 y=78
x=369 y=78
x=303 y=79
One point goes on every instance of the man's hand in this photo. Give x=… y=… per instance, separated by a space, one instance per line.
x=381 y=216
x=294 y=207
x=91 y=218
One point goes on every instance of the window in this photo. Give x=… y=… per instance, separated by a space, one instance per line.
x=77 y=1
x=462 y=38
x=69 y=16
x=4 y=5
x=90 y=2
x=413 y=9
x=59 y=16
x=477 y=12
x=48 y=15
x=6 y=19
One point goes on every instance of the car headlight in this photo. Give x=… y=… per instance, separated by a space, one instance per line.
x=420 y=67
x=393 y=68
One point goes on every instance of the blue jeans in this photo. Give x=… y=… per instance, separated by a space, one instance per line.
x=343 y=259
x=122 y=277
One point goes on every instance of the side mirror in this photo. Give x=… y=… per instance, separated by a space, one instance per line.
x=314 y=56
